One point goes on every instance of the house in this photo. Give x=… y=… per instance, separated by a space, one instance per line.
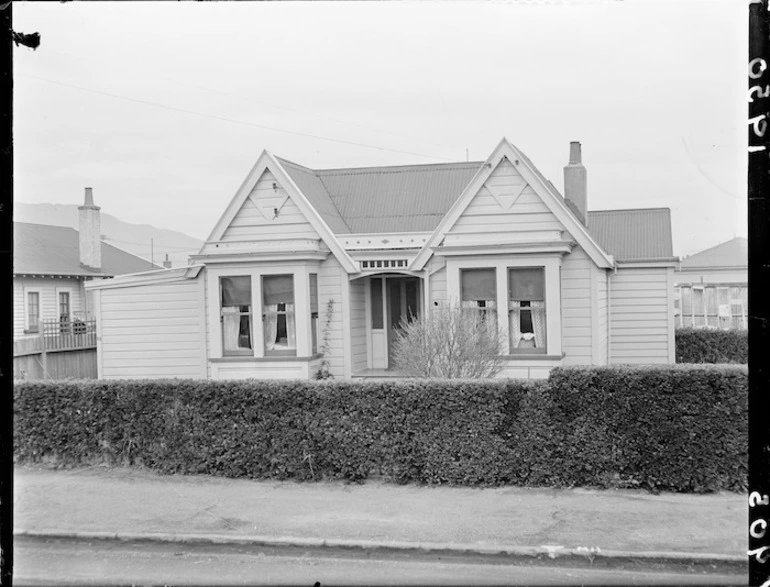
x=712 y=287
x=51 y=264
x=310 y=265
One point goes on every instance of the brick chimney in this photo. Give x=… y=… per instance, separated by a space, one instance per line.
x=575 y=183
x=89 y=228
x=167 y=262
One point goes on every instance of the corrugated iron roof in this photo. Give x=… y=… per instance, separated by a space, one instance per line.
x=636 y=234
x=313 y=189
x=41 y=249
x=405 y=198
x=732 y=253
x=414 y=198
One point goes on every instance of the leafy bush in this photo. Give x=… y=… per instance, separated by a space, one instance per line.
x=448 y=343
x=703 y=345
x=681 y=428
x=413 y=431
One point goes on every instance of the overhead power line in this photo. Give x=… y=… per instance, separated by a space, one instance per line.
x=230 y=120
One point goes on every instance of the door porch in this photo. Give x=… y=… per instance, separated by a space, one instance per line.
x=388 y=298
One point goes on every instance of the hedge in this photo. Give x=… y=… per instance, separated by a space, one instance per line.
x=680 y=429
x=703 y=345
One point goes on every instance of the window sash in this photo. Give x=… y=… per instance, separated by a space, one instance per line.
x=33 y=311
x=478 y=285
x=526 y=284
x=236 y=315
x=64 y=305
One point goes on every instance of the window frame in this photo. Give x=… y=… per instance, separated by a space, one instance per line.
x=524 y=350
x=481 y=306
x=551 y=264
x=29 y=329
x=299 y=270
x=239 y=352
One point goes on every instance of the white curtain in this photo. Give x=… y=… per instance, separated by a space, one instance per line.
x=271 y=326
x=231 y=326
x=291 y=327
x=515 y=324
x=538 y=323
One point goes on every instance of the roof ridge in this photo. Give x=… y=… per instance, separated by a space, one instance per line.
x=629 y=210
x=46 y=225
x=395 y=168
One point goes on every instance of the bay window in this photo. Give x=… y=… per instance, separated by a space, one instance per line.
x=236 y=315
x=526 y=310
x=478 y=292
x=278 y=315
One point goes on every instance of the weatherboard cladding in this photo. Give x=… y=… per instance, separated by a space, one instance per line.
x=414 y=198
x=40 y=249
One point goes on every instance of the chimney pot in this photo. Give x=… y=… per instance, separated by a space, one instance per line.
x=167 y=262
x=89 y=197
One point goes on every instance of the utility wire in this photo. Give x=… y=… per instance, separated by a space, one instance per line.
x=231 y=120
x=252 y=101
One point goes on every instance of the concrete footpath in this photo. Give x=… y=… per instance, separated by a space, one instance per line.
x=130 y=504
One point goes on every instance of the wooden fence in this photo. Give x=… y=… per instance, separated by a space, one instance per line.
x=62 y=349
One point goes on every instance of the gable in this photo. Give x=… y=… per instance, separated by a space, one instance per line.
x=506 y=195
x=505 y=209
x=268 y=213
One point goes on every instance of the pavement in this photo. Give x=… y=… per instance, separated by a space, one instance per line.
x=567 y=524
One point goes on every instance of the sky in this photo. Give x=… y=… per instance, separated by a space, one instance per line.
x=164 y=107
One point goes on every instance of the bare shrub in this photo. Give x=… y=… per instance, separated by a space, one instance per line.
x=450 y=343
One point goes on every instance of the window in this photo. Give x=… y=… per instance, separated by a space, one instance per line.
x=314 y=312
x=526 y=310
x=33 y=311
x=64 y=306
x=377 y=322
x=478 y=290
x=278 y=317
x=236 y=315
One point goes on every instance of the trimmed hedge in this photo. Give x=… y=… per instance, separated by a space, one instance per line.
x=681 y=429
x=703 y=345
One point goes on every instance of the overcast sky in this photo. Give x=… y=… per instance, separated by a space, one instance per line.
x=164 y=107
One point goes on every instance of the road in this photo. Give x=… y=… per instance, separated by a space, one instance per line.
x=79 y=562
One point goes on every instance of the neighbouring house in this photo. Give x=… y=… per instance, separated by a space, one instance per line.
x=311 y=265
x=712 y=287
x=51 y=265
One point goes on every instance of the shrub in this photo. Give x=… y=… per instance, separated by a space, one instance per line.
x=703 y=345
x=414 y=431
x=449 y=343
x=680 y=428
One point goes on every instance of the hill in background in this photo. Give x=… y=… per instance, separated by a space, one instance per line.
x=143 y=240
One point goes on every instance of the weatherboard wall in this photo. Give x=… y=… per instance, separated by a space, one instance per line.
x=48 y=288
x=505 y=209
x=268 y=214
x=641 y=315
x=153 y=330
x=334 y=311
x=577 y=308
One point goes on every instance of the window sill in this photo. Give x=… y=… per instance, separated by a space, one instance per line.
x=36 y=331
x=532 y=357
x=249 y=359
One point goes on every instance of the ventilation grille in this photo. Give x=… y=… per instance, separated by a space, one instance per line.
x=385 y=264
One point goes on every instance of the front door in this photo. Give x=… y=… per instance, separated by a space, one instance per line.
x=392 y=299
x=403 y=305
